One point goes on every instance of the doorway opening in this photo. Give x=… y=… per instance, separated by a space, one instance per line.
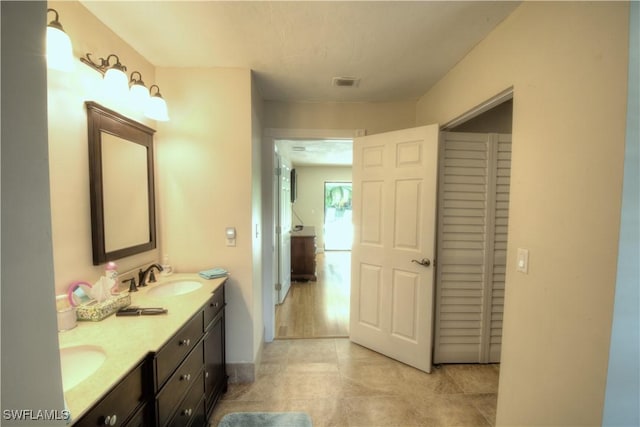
x=313 y=303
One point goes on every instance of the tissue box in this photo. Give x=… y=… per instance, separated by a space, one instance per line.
x=97 y=311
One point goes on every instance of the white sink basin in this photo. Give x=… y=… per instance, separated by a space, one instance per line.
x=79 y=362
x=177 y=287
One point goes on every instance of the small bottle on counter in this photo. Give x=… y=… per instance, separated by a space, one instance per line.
x=166 y=267
x=111 y=274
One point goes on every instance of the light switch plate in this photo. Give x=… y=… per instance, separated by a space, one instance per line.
x=523 y=261
x=230 y=234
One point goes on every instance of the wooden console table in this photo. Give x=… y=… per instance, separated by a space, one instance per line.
x=303 y=254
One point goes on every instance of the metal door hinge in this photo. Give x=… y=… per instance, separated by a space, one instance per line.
x=278 y=286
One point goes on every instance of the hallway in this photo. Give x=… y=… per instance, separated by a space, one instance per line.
x=318 y=309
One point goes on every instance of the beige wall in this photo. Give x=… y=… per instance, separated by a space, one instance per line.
x=310 y=203
x=68 y=144
x=567 y=63
x=204 y=159
x=375 y=117
x=212 y=129
x=499 y=119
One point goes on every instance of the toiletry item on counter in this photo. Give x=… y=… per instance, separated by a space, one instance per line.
x=66 y=313
x=167 y=269
x=213 y=273
x=101 y=289
x=79 y=293
x=111 y=273
x=86 y=307
x=97 y=311
x=107 y=285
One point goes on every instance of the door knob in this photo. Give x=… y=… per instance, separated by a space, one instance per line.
x=424 y=262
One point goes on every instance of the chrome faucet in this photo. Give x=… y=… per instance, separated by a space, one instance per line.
x=142 y=275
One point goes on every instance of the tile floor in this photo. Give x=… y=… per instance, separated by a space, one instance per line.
x=341 y=384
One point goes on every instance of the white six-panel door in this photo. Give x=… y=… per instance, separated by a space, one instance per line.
x=394 y=211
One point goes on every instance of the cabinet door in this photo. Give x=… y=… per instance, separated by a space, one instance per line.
x=116 y=407
x=297 y=255
x=214 y=359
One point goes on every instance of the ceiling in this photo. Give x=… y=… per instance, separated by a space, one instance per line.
x=397 y=49
x=317 y=152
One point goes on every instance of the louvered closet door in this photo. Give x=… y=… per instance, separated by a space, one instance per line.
x=472 y=241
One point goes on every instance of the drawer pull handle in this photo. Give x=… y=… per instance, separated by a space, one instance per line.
x=186 y=342
x=187 y=412
x=110 y=420
x=185 y=377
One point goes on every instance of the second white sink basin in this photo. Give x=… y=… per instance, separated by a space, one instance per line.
x=177 y=287
x=78 y=363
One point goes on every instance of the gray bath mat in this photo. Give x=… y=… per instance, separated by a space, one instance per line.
x=266 y=419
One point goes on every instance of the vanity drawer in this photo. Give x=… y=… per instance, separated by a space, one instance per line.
x=188 y=374
x=213 y=306
x=177 y=348
x=191 y=409
x=120 y=402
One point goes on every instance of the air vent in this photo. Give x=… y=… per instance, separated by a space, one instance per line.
x=298 y=148
x=345 y=81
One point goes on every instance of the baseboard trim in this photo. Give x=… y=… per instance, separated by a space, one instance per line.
x=241 y=372
x=245 y=372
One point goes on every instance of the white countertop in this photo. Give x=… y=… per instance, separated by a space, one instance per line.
x=304 y=232
x=126 y=340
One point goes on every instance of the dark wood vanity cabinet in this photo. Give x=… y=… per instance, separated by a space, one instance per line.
x=303 y=254
x=177 y=386
x=124 y=405
x=190 y=369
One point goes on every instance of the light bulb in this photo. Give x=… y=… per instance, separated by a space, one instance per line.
x=139 y=96
x=116 y=83
x=59 y=51
x=157 y=109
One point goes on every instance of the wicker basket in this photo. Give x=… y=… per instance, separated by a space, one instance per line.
x=96 y=311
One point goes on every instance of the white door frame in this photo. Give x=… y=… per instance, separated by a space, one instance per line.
x=270 y=136
x=483 y=107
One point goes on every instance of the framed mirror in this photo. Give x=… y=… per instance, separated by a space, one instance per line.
x=123 y=219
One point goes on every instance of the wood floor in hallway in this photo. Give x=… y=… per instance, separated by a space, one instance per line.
x=318 y=309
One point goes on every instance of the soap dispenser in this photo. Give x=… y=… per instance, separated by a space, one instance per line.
x=166 y=267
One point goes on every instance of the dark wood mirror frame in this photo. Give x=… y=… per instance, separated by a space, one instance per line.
x=101 y=119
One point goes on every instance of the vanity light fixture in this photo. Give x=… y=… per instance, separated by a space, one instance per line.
x=139 y=92
x=59 y=50
x=157 y=107
x=117 y=84
x=115 y=79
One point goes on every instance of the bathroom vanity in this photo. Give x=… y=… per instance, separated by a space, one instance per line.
x=159 y=370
